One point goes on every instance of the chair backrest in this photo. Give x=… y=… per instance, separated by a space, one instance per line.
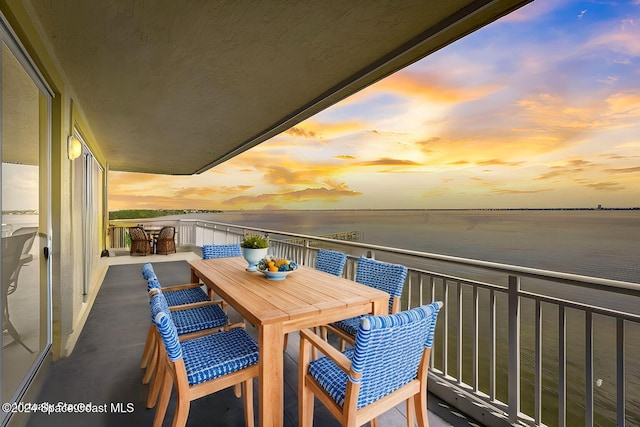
x=388 y=350
x=31 y=231
x=331 y=261
x=147 y=271
x=167 y=232
x=153 y=283
x=221 y=251
x=382 y=275
x=161 y=318
x=12 y=247
x=138 y=233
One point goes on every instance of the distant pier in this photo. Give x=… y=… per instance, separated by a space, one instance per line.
x=344 y=235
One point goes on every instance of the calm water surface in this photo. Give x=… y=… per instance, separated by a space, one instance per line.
x=597 y=243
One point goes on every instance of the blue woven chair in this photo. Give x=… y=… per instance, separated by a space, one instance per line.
x=178 y=295
x=221 y=251
x=377 y=274
x=331 y=261
x=190 y=293
x=201 y=366
x=190 y=320
x=387 y=365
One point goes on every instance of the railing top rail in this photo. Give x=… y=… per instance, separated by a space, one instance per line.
x=569 y=278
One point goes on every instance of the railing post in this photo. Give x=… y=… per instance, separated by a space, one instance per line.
x=514 y=348
x=305 y=252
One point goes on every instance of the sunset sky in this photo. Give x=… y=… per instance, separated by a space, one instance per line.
x=539 y=109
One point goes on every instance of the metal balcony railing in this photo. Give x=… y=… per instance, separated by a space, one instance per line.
x=514 y=345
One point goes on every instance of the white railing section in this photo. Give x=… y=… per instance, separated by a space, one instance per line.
x=514 y=345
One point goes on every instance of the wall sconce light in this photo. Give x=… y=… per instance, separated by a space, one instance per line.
x=74 y=147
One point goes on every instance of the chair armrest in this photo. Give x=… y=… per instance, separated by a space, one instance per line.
x=195 y=305
x=331 y=352
x=178 y=287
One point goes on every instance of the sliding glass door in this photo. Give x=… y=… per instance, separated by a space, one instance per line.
x=25 y=139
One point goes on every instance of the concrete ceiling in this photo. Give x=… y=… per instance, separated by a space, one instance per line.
x=177 y=87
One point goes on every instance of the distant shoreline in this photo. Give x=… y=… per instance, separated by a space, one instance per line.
x=214 y=211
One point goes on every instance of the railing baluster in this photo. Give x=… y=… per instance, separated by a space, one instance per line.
x=475 y=339
x=562 y=367
x=445 y=346
x=409 y=290
x=492 y=345
x=514 y=348
x=588 y=368
x=460 y=341
x=537 y=404
x=621 y=393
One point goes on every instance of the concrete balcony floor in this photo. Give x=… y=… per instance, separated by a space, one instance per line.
x=104 y=368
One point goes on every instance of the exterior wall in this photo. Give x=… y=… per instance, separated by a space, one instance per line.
x=69 y=306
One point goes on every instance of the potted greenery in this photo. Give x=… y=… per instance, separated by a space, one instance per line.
x=254 y=248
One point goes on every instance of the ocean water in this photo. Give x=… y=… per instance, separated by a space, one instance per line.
x=598 y=243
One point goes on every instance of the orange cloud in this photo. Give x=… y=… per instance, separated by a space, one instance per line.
x=606 y=186
x=321 y=193
x=387 y=161
x=623 y=170
x=498 y=162
x=301 y=132
x=433 y=87
x=503 y=191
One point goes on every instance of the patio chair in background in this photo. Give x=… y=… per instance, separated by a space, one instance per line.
x=141 y=243
x=25 y=256
x=332 y=262
x=201 y=366
x=377 y=274
x=12 y=250
x=388 y=364
x=221 y=251
x=165 y=243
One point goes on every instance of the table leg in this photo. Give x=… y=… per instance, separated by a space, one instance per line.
x=194 y=277
x=271 y=379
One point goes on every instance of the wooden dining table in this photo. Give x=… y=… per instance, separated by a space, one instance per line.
x=306 y=298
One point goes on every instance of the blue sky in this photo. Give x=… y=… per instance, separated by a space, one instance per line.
x=539 y=109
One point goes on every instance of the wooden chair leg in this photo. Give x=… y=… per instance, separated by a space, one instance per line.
x=237 y=391
x=156 y=385
x=165 y=393
x=411 y=412
x=420 y=404
x=148 y=347
x=306 y=407
x=153 y=362
x=182 y=411
x=248 y=403
x=286 y=341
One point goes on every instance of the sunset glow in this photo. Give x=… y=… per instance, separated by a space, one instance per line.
x=539 y=109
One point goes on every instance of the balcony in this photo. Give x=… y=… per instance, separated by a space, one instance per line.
x=514 y=345
x=104 y=368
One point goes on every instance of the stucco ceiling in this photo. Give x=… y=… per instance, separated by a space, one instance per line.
x=177 y=87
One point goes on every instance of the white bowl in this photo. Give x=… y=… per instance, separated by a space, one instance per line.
x=275 y=275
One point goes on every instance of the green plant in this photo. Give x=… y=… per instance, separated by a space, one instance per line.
x=253 y=241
